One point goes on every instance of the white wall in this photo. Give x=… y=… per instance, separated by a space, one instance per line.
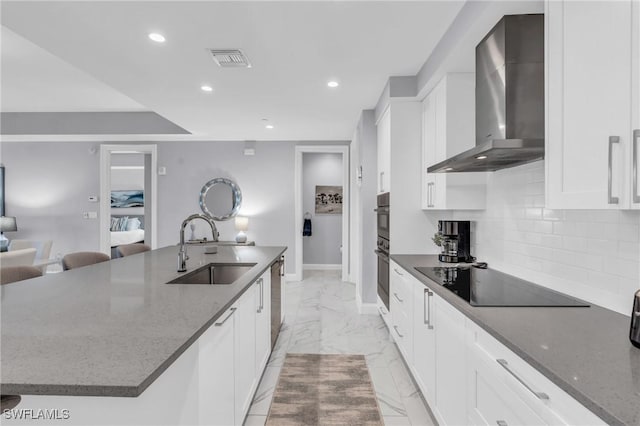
x=323 y=246
x=48 y=184
x=591 y=254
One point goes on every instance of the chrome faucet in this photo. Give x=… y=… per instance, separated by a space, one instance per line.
x=182 y=253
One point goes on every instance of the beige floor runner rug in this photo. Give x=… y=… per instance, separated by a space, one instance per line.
x=316 y=389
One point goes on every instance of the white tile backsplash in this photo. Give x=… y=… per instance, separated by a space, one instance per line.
x=590 y=254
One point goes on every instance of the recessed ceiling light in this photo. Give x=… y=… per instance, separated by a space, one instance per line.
x=333 y=84
x=158 y=38
x=481 y=157
x=448 y=169
x=269 y=126
x=206 y=88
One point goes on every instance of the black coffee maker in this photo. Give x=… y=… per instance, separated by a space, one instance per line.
x=455 y=241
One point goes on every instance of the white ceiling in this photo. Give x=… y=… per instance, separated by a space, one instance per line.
x=103 y=60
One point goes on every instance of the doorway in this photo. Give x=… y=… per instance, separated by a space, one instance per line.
x=128 y=196
x=319 y=199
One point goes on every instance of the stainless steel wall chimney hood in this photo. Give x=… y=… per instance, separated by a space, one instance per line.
x=509 y=98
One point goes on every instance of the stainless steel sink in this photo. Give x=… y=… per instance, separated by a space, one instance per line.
x=215 y=273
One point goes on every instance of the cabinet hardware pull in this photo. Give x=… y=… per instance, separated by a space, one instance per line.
x=231 y=311
x=424 y=299
x=381 y=181
x=430 y=295
x=501 y=423
x=261 y=284
x=636 y=139
x=504 y=364
x=395 y=327
x=382 y=312
x=433 y=190
x=612 y=199
x=397 y=298
x=398 y=272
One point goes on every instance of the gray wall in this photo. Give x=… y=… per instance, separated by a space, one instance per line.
x=48 y=184
x=368 y=160
x=323 y=247
x=47 y=189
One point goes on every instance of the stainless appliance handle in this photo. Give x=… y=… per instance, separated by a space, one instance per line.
x=398 y=272
x=397 y=298
x=430 y=295
x=611 y=198
x=504 y=364
x=383 y=255
x=381 y=180
x=429 y=194
x=636 y=192
x=231 y=311
x=396 y=329
x=282 y=266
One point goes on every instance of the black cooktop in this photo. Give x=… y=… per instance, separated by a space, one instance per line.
x=487 y=287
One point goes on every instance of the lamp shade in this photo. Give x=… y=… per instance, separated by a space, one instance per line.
x=8 y=224
x=242 y=223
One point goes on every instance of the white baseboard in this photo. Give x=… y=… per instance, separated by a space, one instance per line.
x=322 y=266
x=366 y=308
x=291 y=277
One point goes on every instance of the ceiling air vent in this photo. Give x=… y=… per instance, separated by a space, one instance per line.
x=230 y=58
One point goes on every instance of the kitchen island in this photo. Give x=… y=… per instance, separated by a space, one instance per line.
x=116 y=328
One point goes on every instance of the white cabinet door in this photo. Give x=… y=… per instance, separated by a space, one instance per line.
x=451 y=379
x=263 y=322
x=429 y=143
x=216 y=371
x=424 y=341
x=384 y=151
x=245 y=352
x=448 y=129
x=588 y=112
x=635 y=106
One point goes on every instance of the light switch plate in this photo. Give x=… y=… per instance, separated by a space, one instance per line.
x=90 y=215
x=162 y=171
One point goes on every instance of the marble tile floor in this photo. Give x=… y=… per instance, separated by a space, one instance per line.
x=321 y=317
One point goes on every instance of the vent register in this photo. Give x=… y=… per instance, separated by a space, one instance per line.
x=230 y=58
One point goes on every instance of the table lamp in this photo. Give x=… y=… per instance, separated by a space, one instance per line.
x=7 y=224
x=242 y=224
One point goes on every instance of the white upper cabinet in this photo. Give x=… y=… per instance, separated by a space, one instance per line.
x=384 y=152
x=591 y=103
x=635 y=105
x=448 y=128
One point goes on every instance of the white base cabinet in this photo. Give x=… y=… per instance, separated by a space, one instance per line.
x=216 y=403
x=466 y=375
x=401 y=307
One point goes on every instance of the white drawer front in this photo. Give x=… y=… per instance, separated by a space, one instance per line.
x=550 y=402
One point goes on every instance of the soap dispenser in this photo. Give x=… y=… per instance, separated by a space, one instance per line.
x=634 y=333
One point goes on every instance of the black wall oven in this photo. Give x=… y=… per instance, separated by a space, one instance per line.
x=382 y=250
x=383 y=215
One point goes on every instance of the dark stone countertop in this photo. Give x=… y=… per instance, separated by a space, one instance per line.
x=112 y=328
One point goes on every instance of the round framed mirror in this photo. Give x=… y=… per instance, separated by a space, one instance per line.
x=220 y=199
